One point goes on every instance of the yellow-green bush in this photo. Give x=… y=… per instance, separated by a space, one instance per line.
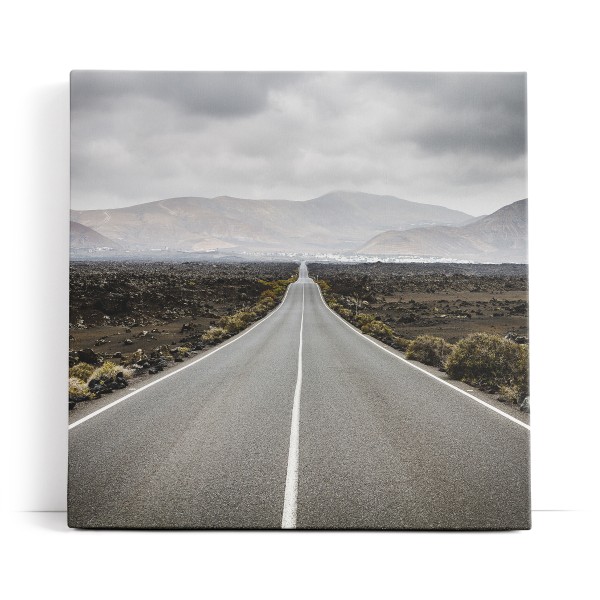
x=247 y=316
x=78 y=390
x=511 y=394
x=270 y=293
x=401 y=343
x=108 y=371
x=232 y=324
x=238 y=321
x=82 y=371
x=364 y=319
x=429 y=349
x=492 y=363
x=325 y=287
x=378 y=330
x=214 y=335
x=181 y=352
x=275 y=289
x=265 y=304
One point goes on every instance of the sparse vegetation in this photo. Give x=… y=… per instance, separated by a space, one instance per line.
x=511 y=394
x=378 y=330
x=135 y=357
x=429 y=350
x=214 y=335
x=157 y=306
x=82 y=371
x=109 y=371
x=487 y=361
x=238 y=321
x=401 y=343
x=368 y=323
x=491 y=363
x=78 y=390
x=87 y=382
x=179 y=353
x=450 y=301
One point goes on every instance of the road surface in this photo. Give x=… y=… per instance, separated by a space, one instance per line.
x=299 y=422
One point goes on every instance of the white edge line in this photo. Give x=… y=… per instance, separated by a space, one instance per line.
x=187 y=366
x=368 y=339
x=290 y=502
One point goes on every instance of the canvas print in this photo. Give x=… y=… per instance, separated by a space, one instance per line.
x=298 y=300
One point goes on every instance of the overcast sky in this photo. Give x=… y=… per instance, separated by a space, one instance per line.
x=458 y=140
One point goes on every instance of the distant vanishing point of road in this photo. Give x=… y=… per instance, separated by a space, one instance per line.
x=299 y=422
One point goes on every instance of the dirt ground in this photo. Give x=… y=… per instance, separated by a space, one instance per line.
x=445 y=300
x=118 y=307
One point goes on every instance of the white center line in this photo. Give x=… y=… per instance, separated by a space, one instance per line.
x=290 y=503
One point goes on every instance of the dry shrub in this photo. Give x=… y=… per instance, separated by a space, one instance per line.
x=510 y=394
x=78 y=390
x=429 y=350
x=82 y=371
x=378 y=330
x=214 y=335
x=109 y=371
x=401 y=343
x=238 y=321
x=364 y=319
x=491 y=363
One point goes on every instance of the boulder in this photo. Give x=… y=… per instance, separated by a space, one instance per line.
x=89 y=356
x=518 y=338
x=524 y=405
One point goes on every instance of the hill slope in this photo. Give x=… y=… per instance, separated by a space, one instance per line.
x=499 y=237
x=84 y=239
x=335 y=222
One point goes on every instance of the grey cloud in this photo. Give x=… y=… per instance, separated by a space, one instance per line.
x=490 y=133
x=482 y=113
x=212 y=93
x=452 y=139
x=455 y=89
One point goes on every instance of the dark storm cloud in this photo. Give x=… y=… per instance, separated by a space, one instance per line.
x=463 y=112
x=477 y=113
x=448 y=138
x=216 y=94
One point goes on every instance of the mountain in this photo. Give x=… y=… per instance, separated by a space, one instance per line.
x=499 y=237
x=338 y=222
x=85 y=239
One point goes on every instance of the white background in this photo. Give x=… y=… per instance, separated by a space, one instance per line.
x=556 y=43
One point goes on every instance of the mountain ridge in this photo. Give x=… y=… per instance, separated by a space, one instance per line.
x=498 y=237
x=337 y=221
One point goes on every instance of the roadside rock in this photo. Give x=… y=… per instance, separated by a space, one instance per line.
x=517 y=338
x=89 y=356
x=524 y=405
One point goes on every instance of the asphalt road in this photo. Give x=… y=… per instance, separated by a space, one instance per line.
x=302 y=423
